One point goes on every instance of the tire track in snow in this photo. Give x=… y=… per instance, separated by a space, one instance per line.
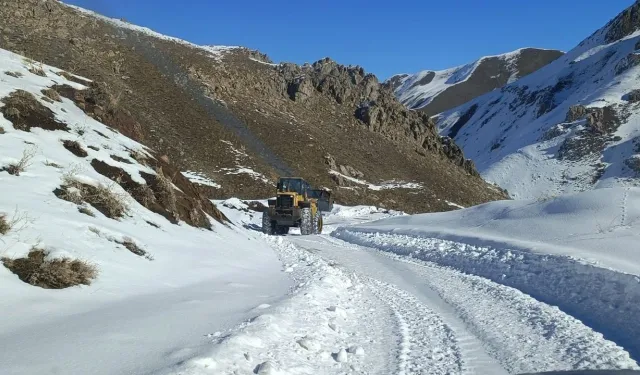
x=502 y=283
x=427 y=345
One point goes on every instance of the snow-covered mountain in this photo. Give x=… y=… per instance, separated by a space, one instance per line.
x=438 y=91
x=571 y=126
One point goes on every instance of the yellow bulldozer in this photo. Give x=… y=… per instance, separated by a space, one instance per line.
x=297 y=204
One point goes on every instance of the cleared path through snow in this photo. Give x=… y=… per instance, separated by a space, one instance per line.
x=493 y=329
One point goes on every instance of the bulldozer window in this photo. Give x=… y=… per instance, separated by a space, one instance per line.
x=291 y=185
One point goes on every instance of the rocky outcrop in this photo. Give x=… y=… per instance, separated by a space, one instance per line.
x=600 y=125
x=575 y=113
x=633 y=96
x=633 y=163
x=374 y=106
x=624 y=24
x=454 y=153
x=632 y=60
x=602 y=120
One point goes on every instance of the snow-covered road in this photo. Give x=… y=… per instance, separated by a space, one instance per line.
x=381 y=296
x=456 y=323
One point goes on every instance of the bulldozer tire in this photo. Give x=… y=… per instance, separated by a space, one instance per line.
x=306 y=222
x=317 y=223
x=267 y=225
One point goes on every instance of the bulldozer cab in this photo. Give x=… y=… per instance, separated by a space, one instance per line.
x=293 y=185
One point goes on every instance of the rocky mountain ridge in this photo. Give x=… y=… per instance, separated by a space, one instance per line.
x=434 y=92
x=570 y=126
x=232 y=115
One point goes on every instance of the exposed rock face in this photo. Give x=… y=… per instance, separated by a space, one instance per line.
x=601 y=123
x=225 y=114
x=576 y=112
x=633 y=163
x=624 y=24
x=630 y=61
x=633 y=96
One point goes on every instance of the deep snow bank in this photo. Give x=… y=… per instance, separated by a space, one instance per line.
x=577 y=252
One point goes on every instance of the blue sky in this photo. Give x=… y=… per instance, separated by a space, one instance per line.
x=384 y=37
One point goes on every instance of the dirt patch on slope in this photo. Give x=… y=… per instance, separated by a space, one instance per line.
x=26 y=112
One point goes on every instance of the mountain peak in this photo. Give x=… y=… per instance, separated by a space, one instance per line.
x=437 y=91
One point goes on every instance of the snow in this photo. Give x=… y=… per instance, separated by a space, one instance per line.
x=385 y=185
x=241 y=157
x=200 y=179
x=600 y=226
x=139 y=315
x=577 y=252
x=216 y=52
x=505 y=287
x=415 y=95
x=473 y=312
x=506 y=136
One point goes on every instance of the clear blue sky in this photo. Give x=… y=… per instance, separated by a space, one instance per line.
x=383 y=36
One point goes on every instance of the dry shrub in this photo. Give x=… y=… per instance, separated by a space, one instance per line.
x=2 y=130
x=14 y=74
x=62 y=273
x=144 y=195
x=37 y=69
x=5 y=226
x=24 y=162
x=15 y=224
x=52 y=94
x=166 y=193
x=104 y=198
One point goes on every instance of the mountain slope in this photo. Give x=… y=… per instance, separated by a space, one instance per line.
x=570 y=126
x=240 y=120
x=109 y=258
x=437 y=91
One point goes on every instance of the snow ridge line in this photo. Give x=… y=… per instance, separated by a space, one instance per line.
x=602 y=299
x=427 y=344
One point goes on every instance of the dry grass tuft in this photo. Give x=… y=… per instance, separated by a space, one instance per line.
x=2 y=130
x=24 y=162
x=104 y=198
x=37 y=69
x=52 y=94
x=62 y=273
x=5 y=226
x=144 y=194
x=166 y=193
x=15 y=224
